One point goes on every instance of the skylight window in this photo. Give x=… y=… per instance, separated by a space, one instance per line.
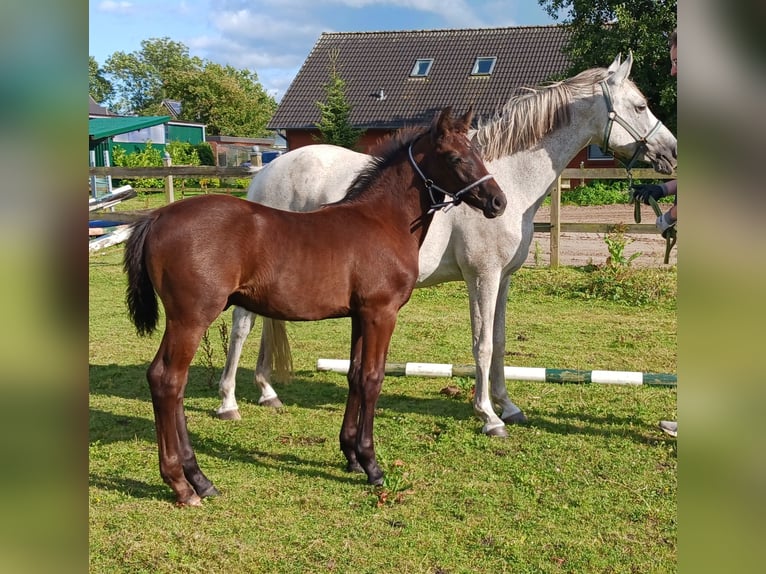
x=421 y=68
x=483 y=66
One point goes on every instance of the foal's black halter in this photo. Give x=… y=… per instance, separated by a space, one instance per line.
x=431 y=186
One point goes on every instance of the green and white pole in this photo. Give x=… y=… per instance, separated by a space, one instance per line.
x=540 y=374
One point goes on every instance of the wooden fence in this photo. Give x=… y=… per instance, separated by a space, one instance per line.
x=554 y=228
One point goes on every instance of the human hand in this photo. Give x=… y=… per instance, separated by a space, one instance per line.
x=642 y=192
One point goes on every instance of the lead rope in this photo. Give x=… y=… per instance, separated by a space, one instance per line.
x=670 y=234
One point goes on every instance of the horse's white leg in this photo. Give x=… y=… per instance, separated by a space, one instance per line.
x=482 y=296
x=509 y=412
x=269 y=396
x=241 y=324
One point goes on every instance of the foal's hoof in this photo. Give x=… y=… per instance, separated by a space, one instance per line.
x=274 y=403
x=230 y=415
x=354 y=467
x=209 y=491
x=192 y=500
x=518 y=418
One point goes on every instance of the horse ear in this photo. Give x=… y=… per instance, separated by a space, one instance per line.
x=614 y=65
x=465 y=122
x=443 y=121
x=622 y=71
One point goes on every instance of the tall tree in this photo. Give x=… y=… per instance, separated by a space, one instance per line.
x=334 y=124
x=603 y=28
x=139 y=78
x=98 y=86
x=229 y=101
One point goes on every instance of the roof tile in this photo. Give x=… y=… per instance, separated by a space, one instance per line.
x=372 y=61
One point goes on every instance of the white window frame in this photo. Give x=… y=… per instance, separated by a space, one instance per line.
x=595 y=154
x=477 y=64
x=416 y=73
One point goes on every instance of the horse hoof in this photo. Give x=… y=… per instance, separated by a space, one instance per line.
x=210 y=491
x=378 y=481
x=274 y=403
x=518 y=418
x=354 y=467
x=192 y=500
x=499 y=432
x=231 y=415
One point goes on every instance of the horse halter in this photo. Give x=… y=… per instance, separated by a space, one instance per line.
x=615 y=117
x=431 y=186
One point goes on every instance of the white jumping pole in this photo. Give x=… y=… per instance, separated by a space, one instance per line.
x=541 y=374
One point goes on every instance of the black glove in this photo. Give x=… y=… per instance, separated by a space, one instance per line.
x=642 y=193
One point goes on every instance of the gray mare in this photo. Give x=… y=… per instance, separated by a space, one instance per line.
x=526 y=146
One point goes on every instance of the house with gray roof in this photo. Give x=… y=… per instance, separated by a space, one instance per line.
x=403 y=78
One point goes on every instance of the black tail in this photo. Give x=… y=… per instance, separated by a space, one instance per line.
x=140 y=295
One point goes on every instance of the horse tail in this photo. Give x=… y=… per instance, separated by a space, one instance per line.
x=282 y=358
x=140 y=296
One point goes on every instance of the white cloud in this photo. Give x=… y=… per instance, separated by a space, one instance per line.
x=110 y=6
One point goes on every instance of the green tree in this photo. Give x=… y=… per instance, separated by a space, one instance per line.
x=603 y=28
x=98 y=86
x=335 y=125
x=229 y=101
x=139 y=78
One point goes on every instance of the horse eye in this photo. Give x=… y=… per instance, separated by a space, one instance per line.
x=641 y=108
x=456 y=160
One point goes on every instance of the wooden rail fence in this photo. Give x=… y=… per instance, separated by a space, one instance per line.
x=554 y=228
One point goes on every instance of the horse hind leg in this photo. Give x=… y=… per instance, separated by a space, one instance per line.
x=274 y=350
x=167 y=376
x=202 y=485
x=241 y=324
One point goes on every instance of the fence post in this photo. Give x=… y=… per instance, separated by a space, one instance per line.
x=167 y=162
x=555 y=222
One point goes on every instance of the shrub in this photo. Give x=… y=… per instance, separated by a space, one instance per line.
x=597 y=193
x=631 y=286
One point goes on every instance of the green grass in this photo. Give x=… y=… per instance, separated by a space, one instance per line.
x=588 y=486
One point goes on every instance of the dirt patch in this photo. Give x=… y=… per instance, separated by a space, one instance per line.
x=589 y=248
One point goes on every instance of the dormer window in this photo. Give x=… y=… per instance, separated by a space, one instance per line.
x=421 y=68
x=483 y=66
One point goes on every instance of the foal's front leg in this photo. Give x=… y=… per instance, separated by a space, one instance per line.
x=376 y=338
x=348 y=429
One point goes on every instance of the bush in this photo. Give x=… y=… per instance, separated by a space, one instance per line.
x=597 y=193
x=147 y=157
x=603 y=192
x=631 y=286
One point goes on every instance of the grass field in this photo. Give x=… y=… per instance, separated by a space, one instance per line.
x=589 y=485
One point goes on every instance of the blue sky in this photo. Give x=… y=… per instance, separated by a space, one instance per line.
x=273 y=38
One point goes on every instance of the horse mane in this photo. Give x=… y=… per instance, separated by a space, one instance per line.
x=533 y=112
x=383 y=154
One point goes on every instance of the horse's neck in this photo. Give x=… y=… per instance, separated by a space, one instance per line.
x=528 y=175
x=399 y=195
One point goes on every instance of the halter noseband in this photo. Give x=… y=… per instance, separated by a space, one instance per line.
x=615 y=117
x=431 y=186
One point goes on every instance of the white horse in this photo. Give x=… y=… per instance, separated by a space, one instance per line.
x=526 y=146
